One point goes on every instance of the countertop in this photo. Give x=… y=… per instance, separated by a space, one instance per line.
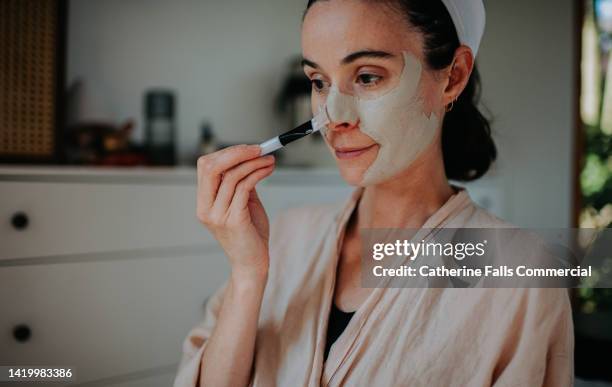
x=154 y=175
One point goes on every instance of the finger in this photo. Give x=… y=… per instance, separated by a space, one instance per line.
x=244 y=188
x=211 y=167
x=208 y=184
x=234 y=155
x=234 y=176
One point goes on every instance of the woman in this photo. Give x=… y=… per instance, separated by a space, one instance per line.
x=397 y=79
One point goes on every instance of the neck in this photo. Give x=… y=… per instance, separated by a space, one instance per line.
x=409 y=199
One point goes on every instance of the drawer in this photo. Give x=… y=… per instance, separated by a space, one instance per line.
x=106 y=318
x=74 y=218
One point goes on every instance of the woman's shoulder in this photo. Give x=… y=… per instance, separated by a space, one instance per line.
x=510 y=239
x=475 y=216
x=511 y=246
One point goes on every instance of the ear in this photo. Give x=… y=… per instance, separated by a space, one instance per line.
x=458 y=74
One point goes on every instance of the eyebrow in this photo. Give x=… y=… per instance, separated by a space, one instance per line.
x=352 y=57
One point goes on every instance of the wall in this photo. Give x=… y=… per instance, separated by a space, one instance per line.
x=527 y=72
x=227 y=59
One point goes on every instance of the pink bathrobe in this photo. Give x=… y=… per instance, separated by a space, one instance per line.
x=397 y=337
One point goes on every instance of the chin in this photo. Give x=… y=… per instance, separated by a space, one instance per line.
x=352 y=176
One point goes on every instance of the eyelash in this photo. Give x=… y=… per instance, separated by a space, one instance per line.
x=377 y=78
x=318 y=84
x=314 y=83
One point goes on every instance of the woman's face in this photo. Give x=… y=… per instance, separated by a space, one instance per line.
x=366 y=65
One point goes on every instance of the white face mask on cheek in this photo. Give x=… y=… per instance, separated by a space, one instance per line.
x=395 y=120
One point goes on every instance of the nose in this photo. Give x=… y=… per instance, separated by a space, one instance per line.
x=342 y=110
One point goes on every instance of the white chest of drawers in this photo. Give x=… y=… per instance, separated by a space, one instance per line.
x=106 y=270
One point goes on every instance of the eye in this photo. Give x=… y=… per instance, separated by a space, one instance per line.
x=318 y=85
x=367 y=79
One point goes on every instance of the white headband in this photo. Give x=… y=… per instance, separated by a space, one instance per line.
x=469 y=18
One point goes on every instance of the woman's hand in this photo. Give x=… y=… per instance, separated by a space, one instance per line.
x=229 y=207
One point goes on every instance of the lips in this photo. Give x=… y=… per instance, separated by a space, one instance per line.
x=351 y=153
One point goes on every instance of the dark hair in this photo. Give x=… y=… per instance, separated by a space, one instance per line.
x=467 y=146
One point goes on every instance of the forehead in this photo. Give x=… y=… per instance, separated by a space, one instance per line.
x=333 y=29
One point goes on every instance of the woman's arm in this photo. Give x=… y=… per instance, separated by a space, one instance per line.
x=228 y=356
x=228 y=205
x=540 y=351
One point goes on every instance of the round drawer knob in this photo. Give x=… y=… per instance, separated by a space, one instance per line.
x=20 y=221
x=22 y=333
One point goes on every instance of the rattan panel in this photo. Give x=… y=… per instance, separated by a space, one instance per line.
x=28 y=34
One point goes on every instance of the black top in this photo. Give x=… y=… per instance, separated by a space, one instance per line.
x=338 y=320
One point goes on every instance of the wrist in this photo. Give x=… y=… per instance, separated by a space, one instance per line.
x=248 y=278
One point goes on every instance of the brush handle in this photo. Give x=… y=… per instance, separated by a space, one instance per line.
x=276 y=143
x=270 y=146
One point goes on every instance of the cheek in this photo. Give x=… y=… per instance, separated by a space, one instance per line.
x=432 y=92
x=316 y=100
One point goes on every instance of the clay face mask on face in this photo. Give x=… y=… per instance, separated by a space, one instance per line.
x=395 y=120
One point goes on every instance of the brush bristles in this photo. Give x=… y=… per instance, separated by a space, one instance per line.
x=320 y=120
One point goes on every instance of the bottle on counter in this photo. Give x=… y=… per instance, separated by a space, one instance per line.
x=208 y=143
x=160 y=127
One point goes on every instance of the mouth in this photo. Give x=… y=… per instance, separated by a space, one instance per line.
x=351 y=153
